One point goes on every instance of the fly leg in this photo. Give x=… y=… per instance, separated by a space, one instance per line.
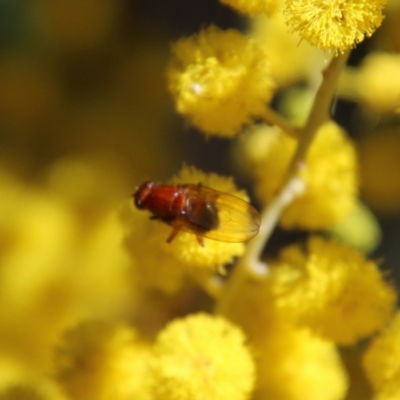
x=175 y=231
x=200 y=240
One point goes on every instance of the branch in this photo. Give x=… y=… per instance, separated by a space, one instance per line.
x=271 y=117
x=250 y=265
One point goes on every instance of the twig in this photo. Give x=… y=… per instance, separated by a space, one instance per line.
x=250 y=265
x=291 y=185
x=273 y=118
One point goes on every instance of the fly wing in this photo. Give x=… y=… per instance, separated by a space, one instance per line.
x=238 y=221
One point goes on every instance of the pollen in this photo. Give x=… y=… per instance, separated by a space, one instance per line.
x=335 y=25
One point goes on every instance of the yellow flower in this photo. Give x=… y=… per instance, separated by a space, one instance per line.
x=254 y=7
x=100 y=361
x=375 y=84
x=335 y=25
x=290 y=361
x=202 y=357
x=379 y=83
x=152 y=266
x=220 y=80
x=330 y=176
x=50 y=260
x=382 y=361
x=293 y=363
x=332 y=289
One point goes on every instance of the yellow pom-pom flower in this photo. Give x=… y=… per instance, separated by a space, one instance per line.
x=51 y=257
x=382 y=360
x=332 y=289
x=379 y=82
x=290 y=361
x=202 y=357
x=335 y=25
x=220 y=80
x=294 y=362
x=254 y=7
x=99 y=361
x=330 y=175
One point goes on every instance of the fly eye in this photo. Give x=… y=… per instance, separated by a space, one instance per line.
x=138 y=202
x=142 y=193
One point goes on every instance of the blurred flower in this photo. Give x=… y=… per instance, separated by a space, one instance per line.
x=375 y=84
x=379 y=83
x=331 y=289
x=202 y=357
x=335 y=25
x=298 y=62
x=220 y=80
x=382 y=361
x=290 y=361
x=330 y=175
x=145 y=243
x=294 y=362
x=56 y=267
x=83 y=274
x=98 y=360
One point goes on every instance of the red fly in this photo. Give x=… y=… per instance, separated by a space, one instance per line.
x=200 y=210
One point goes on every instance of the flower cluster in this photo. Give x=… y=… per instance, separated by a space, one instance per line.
x=194 y=288
x=193 y=358
x=324 y=201
x=332 y=289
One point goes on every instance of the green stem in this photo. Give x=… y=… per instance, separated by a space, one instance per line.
x=250 y=265
x=320 y=112
x=271 y=117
